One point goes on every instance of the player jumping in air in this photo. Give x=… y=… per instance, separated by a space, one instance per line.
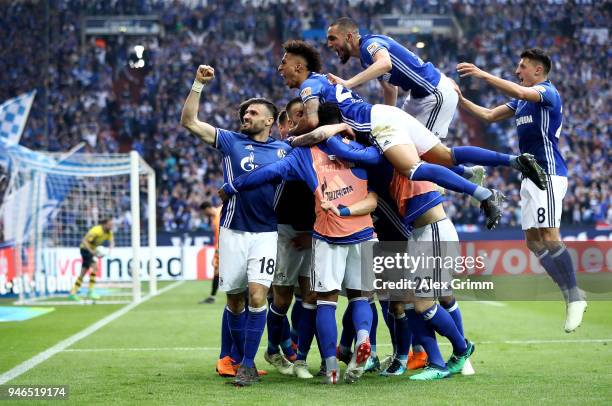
x=538 y=112
x=400 y=137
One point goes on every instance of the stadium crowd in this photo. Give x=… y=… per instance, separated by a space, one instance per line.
x=87 y=92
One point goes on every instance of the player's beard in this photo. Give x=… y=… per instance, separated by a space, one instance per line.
x=250 y=129
x=346 y=54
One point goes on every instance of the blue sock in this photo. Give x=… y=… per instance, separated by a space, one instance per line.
x=566 y=268
x=226 y=336
x=374 y=326
x=403 y=336
x=296 y=312
x=275 y=329
x=427 y=338
x=549 y=265
x=453 y=309
x=326 y=328
x=255 y=324
x=286 y=339
x=480 y=156
x=235 y=355
x=237 y=324
x=362 y=319
x=439 y=319
x=348 y=330
x=448 y=180
x=306 y=329
x=389 y=321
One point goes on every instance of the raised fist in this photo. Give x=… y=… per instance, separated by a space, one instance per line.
x=205 y=73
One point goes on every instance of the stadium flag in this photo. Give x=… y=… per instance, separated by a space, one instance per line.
x=13 y=116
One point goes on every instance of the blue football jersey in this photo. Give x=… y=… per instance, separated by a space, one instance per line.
x=539 y=127
x=408 y=71
x=354 y=110
x=252 y=210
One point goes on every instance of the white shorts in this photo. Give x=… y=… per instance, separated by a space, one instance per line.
x=435 y=111
x=435 y=239
x=246 y=257
x=290 y=262
x=542 y=208
x=337 y=267
x=392 y=126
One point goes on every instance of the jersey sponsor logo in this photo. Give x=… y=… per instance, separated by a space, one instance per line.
x=524 y=120
x=248 y=162
x=249 y=147
x=307 y=91
x=373 y=47
x=539 y=88
x=281 y=153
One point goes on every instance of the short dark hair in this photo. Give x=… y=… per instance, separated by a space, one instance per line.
x=205 y=205
x=329 y=113
x=346 y=23
x=282 y=117
x=259 y=100
x=306 y=51
x=105 y=220
x=293 y=101
x=538 y=55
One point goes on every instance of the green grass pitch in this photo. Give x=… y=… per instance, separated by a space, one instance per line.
x=164 y=352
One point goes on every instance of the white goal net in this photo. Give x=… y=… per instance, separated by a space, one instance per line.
x=49 y=203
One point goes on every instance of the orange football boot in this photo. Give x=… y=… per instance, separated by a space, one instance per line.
x=225 y=367
x=417 y=360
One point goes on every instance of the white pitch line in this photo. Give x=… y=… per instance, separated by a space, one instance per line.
x=491 y=303
x=62 y=345
x=518 y=342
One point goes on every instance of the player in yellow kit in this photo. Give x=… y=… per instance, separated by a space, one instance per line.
x=90 y=245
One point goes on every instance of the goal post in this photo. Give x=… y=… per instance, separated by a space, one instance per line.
x=52 y=200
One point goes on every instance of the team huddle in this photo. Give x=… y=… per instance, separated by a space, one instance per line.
x=298 y=212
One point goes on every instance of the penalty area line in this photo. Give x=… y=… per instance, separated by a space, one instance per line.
x=63 y=345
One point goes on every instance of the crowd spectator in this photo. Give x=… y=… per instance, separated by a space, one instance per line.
x=87 y=91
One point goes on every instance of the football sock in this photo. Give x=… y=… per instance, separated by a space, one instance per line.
x=255 y=324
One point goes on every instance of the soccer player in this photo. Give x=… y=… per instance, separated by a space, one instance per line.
x=343 y=205
x=431 y=100
x=94 y=238
x=248 y=233
x=295 y=212
x=538 y=111
x=400 y=137
x=214 y=216
x=420 y=206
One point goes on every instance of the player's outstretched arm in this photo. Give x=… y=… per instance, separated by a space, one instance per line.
x=321 y=134
x=382 y=64
x=354 y=152
x=498 y=113
x=360 y=208
x=189 y=115
x=511 y=89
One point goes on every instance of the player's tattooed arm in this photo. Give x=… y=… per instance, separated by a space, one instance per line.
x=310 y=119
x=189 y=115
x=321 y=134
x=509 y=88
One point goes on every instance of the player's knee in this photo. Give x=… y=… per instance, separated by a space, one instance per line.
x=235 y=303
x=282 y=302
x=257 y=297
x=421 y=305
x=440 y=154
